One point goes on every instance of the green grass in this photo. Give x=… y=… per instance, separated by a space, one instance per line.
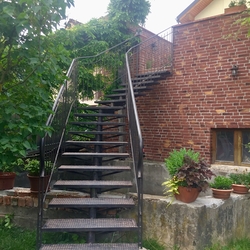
x=236 y=244
x=14 y=238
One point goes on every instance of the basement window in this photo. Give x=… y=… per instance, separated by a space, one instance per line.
x=229 y=146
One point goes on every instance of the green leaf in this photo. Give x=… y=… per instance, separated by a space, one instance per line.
x=27 y=145
x=9 y=9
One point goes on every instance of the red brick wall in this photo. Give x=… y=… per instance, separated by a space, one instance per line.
x=201 y=94
x=153 y=54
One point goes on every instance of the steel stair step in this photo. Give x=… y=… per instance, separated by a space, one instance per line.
x=103 y=108
x=95 y=246
x=97 y=142
x=82 y=154
x=91 y=202
x=122 y=95
x=93 y=168
x=146 y=78
x=151 y=75
x=99 y=123
x=140 y=82
x=140 y=88
x=112 y=102
x=86 y=225
x=92 y=184
x=99 y=115
x=97 y=132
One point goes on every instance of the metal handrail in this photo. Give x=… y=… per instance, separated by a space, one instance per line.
x=141 y=51
x=56 y=146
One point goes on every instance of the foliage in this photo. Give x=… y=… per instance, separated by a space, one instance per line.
x=153 y=244
x=171 y=186
x=34 y=59
x=6 y=221
x=221 y=182
x=195 y=174
x=240 y=178
x=237 y=3
x=234 y=244
x=32 y=166
x=12 y=167
x=63 y=238
x=129 y=11
x=192 y=173
x=30 y=70
x=176 y=159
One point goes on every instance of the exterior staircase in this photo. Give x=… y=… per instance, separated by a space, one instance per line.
x=96 y=137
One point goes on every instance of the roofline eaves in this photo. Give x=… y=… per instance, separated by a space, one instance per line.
x=186 y=10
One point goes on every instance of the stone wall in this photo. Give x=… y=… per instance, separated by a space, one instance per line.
x=196 y=225
x=201 y=94
x=192 y=226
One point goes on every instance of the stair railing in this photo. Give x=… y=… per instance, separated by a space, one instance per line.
x=151 y=56
x=51 y=143
x=76 y=87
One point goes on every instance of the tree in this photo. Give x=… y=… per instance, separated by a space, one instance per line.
x=129 y=11
x=29 y=71
x=34 y=59
x=100 y=34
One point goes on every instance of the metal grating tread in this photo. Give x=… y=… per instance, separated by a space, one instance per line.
x=114 y=101
x=99 y=123
x=95 y=246
x=93 y=184
x=93 y=168
x=101 y=108
x=100 y=114
x=122 y=155
x=86 y=225
x=97 y=142
x=156 y=74
x=121 y=95
x=91 y=202
x=140 y=81
x=135 y=88
x=97 y=132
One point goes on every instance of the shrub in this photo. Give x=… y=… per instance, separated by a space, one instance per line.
x=221 y=182
x=176 y=159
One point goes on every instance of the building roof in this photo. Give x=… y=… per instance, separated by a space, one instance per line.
x=192 y=10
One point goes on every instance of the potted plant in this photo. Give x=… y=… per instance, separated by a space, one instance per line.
x=8 y=174
x=241 y=182
x=32 y=166
x=221 y=187
x=189 y=175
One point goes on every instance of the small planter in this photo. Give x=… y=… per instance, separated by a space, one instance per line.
x=235 y=9
x=7 y=180
x=240 y=189
x=221 y=193
x=187 y=194
x=34 y=183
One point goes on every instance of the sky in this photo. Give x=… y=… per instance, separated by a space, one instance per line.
x=162 y=16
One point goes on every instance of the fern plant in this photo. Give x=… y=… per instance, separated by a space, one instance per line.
x=221 y=182
x=176 y=159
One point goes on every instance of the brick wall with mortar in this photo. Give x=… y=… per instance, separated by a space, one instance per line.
x=24 y=205
x=201 y=94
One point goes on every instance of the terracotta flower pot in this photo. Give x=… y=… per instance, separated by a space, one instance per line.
x=221 y=193
x=235 y=9
x=240 y=189
x=34 y=183
x=7 y=180
x=187 y=194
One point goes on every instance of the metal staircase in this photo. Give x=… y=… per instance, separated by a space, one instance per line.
x=90 y=139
